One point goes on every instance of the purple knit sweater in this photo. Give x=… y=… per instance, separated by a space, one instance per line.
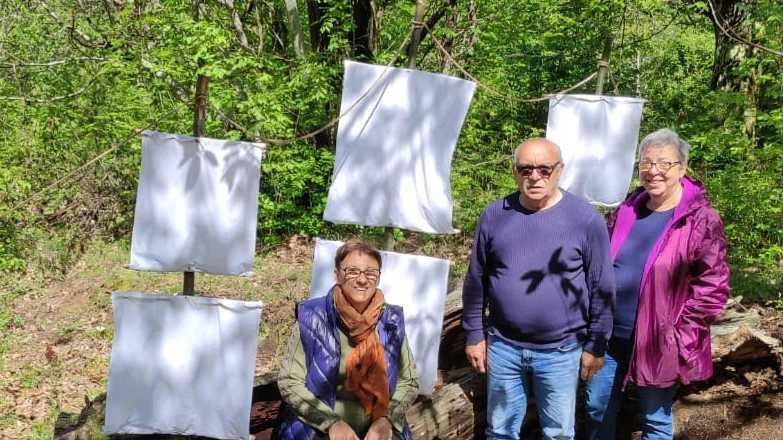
x=546 y=276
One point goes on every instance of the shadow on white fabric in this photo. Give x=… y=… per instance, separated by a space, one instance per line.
x=598 y=137
x=394 y=148
x=196 y=205
x=181 y=365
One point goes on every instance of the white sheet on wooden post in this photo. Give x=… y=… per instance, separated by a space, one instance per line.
x=196 y=205
x=181 y=365
x=417 y=283
x=598 y=137
x=394 y=147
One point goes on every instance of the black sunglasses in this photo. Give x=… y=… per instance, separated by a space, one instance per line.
x=543 y=170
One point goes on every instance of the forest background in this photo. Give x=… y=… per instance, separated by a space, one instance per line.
x=80 y=78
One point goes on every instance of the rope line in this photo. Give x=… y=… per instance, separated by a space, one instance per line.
x=115 y=146
x=136 y=132
x=720 y=23
x=259 y=138
x=494 y=91
x=272 y=141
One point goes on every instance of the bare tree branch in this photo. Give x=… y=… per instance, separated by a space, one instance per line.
x=77 y=92
x=433 y=20
x=109 y=11
x=238 y=27
x=723 y=28
x=76 y=35
x=49 y=63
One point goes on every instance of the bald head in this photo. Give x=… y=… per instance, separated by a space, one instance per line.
x=538 y=143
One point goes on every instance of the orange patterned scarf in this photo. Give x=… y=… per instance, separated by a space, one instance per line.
x=366 y=375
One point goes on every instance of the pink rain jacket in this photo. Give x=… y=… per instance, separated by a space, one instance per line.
x=685 y=284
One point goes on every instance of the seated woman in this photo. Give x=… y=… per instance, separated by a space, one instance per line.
x=349 y=374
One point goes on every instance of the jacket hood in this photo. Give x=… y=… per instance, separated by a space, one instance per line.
x=694 y=196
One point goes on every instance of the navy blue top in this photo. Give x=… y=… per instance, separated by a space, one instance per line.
x=629 y=265
x=546 y=276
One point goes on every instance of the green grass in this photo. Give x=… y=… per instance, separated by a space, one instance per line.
x=277 y=283
x=31 y=376
x=760 y=285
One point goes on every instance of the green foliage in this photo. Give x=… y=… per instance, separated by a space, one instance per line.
x=79 y=78
x=294 y=186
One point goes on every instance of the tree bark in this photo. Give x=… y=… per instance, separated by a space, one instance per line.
x=316 y=10
x=238 y=26
x=432 y=21
x=363 y=32
x=729 y=17
x=294 y=27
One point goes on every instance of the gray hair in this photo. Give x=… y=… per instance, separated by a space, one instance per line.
x=665 y=137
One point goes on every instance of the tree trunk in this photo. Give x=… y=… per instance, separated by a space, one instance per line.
x=236 y=20
x=316 y=10
x=732 y=17
x=364 y=29
x=294 y=27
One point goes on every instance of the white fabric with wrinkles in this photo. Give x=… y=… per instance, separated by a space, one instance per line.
x=394 y=148
x=181 y=365
x=598 y=137
x=196 y=205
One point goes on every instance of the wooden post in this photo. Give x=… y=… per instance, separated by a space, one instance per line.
x=199 y=116
x=603 y=65
x=200 y=110
x=388 y=234
x=417 y=25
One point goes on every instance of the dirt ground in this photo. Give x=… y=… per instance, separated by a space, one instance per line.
x=740 y=402
x=61 y=341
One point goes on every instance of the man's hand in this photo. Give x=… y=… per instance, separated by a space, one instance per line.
x=342 y=431
x=477 y=356
x=381 y=429
x=590 y=365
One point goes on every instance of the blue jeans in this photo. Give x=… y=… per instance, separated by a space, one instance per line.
x=552 y=375
x=605 y=395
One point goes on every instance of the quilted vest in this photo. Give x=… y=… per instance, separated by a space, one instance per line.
x=317 y=318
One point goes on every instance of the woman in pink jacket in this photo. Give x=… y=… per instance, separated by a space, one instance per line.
x=669 y=255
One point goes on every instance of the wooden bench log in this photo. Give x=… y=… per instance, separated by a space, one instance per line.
x=457 y=408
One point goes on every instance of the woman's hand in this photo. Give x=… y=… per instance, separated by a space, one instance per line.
x=381 y=429
x=342 y=431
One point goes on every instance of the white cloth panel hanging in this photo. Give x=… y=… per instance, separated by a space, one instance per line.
x=598 y=137
x=395 y=141
x=181 y=365
x=196 y=205
x=418 y=284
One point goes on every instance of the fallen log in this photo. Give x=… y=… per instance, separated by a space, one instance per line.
x=737 y=338
x=453 y=412
x=457 y=408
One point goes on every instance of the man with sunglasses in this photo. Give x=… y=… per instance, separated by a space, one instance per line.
x=540 y=262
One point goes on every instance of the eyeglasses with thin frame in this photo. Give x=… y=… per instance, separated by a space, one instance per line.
x=543 y=170
x=352 y=272
x=663 y=166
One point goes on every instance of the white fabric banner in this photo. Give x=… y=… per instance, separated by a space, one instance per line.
x=418 y=284
x=598 y=137
x=196 y=205
x=181 y=365
x=394 y=147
